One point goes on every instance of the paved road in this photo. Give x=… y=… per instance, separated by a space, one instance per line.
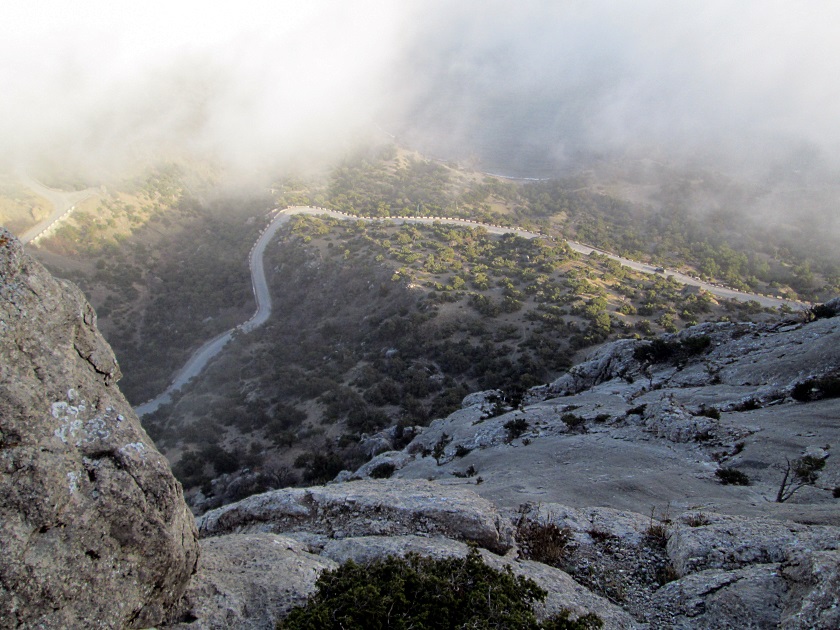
x=63 y=202
x=724 y=292
x=193 y=367
x=201 y=357
x=258 y=281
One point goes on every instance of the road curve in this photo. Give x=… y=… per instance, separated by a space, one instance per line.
x=201 y=357
x=258 y=280
x=720 y=291
x=63 y=202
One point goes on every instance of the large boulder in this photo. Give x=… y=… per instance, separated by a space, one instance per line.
x=612 y=360
x=387 y=507
x=751 y=597
x=248 y=581
x=94 y=531
x=814 y=597
x=732 y=542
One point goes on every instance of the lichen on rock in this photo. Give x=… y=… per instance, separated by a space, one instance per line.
x=94 y=531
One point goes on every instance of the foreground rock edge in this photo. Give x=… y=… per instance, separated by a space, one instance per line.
x=89 y=508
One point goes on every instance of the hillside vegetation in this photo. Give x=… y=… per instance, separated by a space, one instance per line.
x=381 y=326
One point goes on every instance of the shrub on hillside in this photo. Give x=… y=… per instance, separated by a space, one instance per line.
x=829 y=309
x=515 y=428
x=817 y=388
x=383 y=470
x=660 y=350
x=732 y=477
x=544 y=542
x=418 y=592
x=319 y=467
x=799 y=473
x=575 y=423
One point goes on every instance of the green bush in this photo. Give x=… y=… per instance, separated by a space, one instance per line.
x=800 y=472
x=576 y=424
x=695 y=345
x=659 y=350
x=418 y=592
x=319 y=467
x=515 y=428
x=462 y=451
x=440 y=447
x=821 y=311
x=732 y=477
x=656 y=351
x=383 y=470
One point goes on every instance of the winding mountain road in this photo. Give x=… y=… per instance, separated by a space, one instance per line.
x=201 y=357
x=724 y=292
x=63 y=202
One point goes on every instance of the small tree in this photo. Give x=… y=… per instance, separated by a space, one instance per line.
x=800 y=472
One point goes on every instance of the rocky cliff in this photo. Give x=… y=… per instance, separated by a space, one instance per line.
x=618 y=460
x=94 y=531
x=647 y=423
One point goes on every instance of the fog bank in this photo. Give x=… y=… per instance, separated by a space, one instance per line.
x=533 y=85
x=745 y=82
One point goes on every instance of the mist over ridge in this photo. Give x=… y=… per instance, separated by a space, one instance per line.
x=530 y=88
x=743 y=83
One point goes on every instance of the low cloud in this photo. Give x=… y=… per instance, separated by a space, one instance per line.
x=651 y=77
x=261 y=85
x=251 y=85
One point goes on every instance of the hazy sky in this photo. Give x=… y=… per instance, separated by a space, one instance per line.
x=261 y=82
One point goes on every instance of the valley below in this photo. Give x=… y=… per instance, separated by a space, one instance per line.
x=646 y=441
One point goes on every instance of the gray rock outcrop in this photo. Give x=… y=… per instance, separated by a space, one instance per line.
x=728 y=542
x=646 y=423
x=640 y=431
x=745 y=598
x=251 y=579
x=813 y=600
x=94 y=531
x=610 y=361
x=248 y=581
x=367 y=508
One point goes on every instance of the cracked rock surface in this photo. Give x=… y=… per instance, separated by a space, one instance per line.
x=88 y=507
x=365 y=508
x=248 y=581
x=630 y=433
